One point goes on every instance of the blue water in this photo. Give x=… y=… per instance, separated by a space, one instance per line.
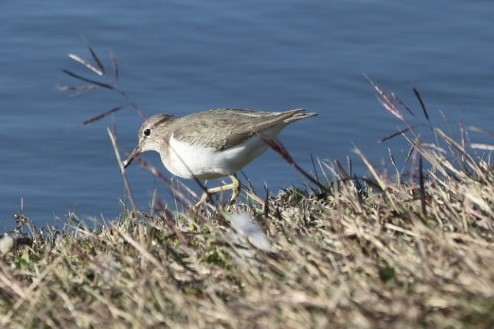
x=185 y=56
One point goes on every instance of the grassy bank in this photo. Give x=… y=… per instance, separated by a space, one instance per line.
x=367 y=253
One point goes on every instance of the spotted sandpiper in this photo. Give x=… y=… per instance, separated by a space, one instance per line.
x=212 y=144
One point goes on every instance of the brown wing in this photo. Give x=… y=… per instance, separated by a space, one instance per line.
x=223 y=128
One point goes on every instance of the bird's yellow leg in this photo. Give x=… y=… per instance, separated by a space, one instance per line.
x=234 y=185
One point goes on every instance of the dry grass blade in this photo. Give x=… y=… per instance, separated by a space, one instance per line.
x=116 y=71
x=386 y=101
x=393 y=135
x=101 y=68
x=313 y=162
x=422 y=187
x=97 y=70
x=463 y=134
x=411 y=151
x=402 y=104
x=475 y=196
x=340 y=171
x=470 y=161
x=96 y=59
x=113 y=138
x=91 y=81
x=78 y=88
x=393 y=162
x=102 y=115
x=381 y=183
x=481 y=131
x=485 y=147
x=422 y=105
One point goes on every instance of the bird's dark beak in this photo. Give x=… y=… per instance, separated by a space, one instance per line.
x=135 y=153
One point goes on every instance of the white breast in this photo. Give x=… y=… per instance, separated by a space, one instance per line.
x=185 y=160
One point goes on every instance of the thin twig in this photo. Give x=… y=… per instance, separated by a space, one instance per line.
x=113 y=138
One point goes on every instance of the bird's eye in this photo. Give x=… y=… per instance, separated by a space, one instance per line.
x=147 y=132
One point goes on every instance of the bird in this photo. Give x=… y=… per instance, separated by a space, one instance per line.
x=212 y=144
